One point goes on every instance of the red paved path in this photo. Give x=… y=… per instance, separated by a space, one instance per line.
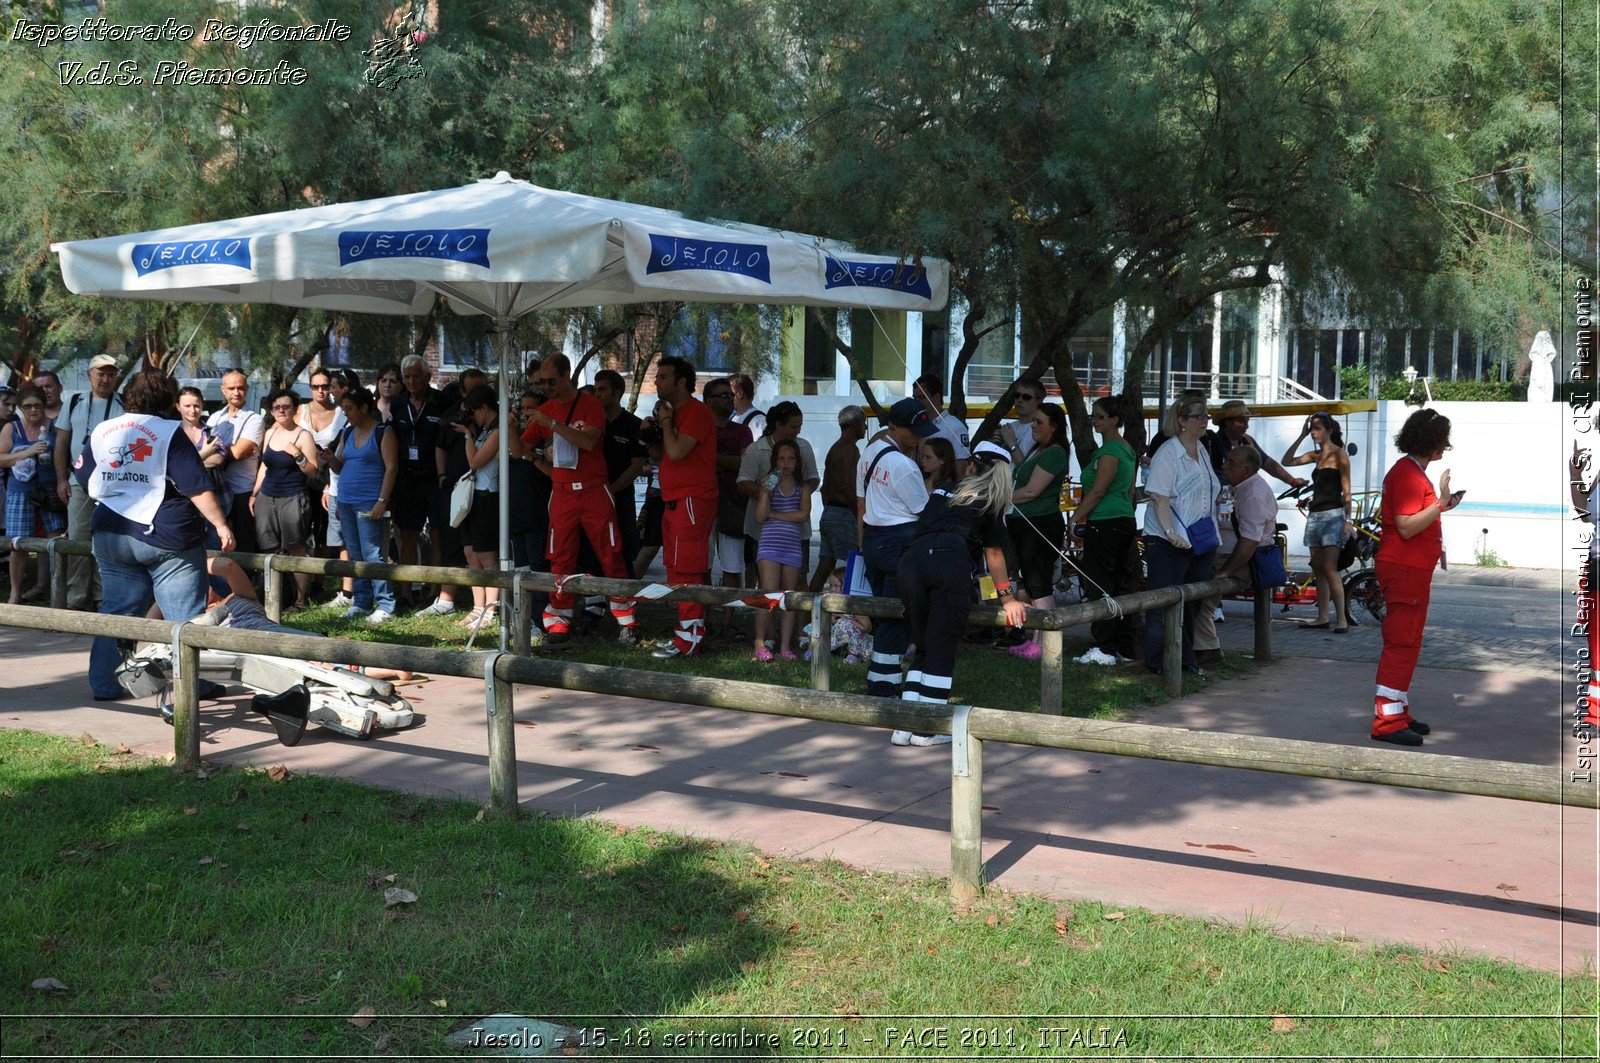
x=1478 y=875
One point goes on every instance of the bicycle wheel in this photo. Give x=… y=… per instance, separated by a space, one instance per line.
x=1363 y=588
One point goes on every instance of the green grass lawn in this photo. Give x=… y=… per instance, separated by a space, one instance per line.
x=984 y=675
x=233 y=914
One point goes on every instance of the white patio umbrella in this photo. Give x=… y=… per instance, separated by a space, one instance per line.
x=500 y=247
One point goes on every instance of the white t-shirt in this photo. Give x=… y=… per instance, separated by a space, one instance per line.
x=81 y=414
x=754 y=465
x=897 y=494
x=754 y=420
x=954 y=429
x=324 y=438
x=1190 y=483
x=1024 y=431
x=230 y=429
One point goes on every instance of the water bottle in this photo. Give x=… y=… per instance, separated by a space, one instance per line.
x=1225 y=503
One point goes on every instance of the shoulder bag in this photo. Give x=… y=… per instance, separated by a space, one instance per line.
x=461 y=500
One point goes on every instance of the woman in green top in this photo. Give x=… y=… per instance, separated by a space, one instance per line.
x=1036 y=526
x=1104 y=521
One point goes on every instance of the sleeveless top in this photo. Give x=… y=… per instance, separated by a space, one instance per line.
x=361 y=479
x=1327 y=490
x=283 y=478
x=486 y=478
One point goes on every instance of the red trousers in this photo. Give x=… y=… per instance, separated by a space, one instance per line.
x=686 y=529
x=587 y=508
x=1406 y=590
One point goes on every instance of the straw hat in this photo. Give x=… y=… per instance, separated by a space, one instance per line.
x=1231 y=409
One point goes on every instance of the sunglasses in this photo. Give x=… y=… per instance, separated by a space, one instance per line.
x=281 y=406
x=319 y=387
x=720 y=395
x=32 y=406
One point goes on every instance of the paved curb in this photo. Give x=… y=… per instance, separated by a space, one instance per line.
x=1551 y=578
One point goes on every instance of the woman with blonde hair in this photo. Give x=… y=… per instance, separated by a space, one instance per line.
x=1180 y=533
x=935 y=575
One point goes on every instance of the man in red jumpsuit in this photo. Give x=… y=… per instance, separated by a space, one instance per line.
x=690 y=491
x=580 y=499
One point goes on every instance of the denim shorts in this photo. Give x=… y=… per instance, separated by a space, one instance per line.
x=1325 y=528
x=838 y=528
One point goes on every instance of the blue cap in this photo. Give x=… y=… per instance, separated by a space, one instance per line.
x=910 y=413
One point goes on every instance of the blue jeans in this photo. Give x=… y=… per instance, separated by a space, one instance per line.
x=132 y=575
x=1167 y=566
x=366 y=540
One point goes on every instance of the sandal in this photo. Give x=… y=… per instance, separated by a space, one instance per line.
x=471 y=618
x=787 y=655
x=763 y=654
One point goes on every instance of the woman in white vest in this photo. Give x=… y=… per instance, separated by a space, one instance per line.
x=155 y=499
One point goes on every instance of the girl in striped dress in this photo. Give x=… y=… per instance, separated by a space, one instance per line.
x=783 y=511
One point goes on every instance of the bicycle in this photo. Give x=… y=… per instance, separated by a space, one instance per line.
x=1360 y=586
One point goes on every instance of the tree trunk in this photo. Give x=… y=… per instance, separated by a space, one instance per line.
x=300 y=363
x=1041 y=361
x=971 y=337
x=849 y=353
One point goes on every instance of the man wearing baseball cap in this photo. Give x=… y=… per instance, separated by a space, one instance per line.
x=81 y=415
x=1234 y=421
x=890 y=495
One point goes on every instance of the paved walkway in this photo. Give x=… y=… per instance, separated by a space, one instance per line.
x=1308 y=856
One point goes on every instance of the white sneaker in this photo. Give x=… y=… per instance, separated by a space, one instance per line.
x=341 y=601
x=1095 y=655
x=352 y=612
x=664 y=644
x=930 y=740
x=900 y=738
x=440 y=607
x=379 y=616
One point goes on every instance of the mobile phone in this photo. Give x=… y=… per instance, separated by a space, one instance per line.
x=1455 y=497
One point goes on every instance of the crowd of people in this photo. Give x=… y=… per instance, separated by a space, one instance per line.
x=408 y=473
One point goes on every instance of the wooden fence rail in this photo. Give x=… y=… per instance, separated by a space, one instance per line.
x=822 y=608
x=969 y=726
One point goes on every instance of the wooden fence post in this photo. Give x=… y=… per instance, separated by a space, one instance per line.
x=271 y=589
x=966 y=809
x=58 y=575
x=521 y=612
x=185 y=700
x=821 y=645
x=1050 y=672
x=1263 y=621
x=502 y=738
x=1172 y=651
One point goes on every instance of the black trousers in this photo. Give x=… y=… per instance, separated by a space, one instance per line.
x=936 y=586
x=1108 y=560
x=881 y=549
x=1037 y=542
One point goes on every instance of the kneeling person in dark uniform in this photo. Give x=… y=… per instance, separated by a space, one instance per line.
x=935 y=577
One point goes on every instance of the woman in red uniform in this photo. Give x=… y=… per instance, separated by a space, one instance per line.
x=1413 y=542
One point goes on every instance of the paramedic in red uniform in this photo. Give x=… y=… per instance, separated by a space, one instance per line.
x=1413 y=543
x=580 y=497
x=690 y=492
